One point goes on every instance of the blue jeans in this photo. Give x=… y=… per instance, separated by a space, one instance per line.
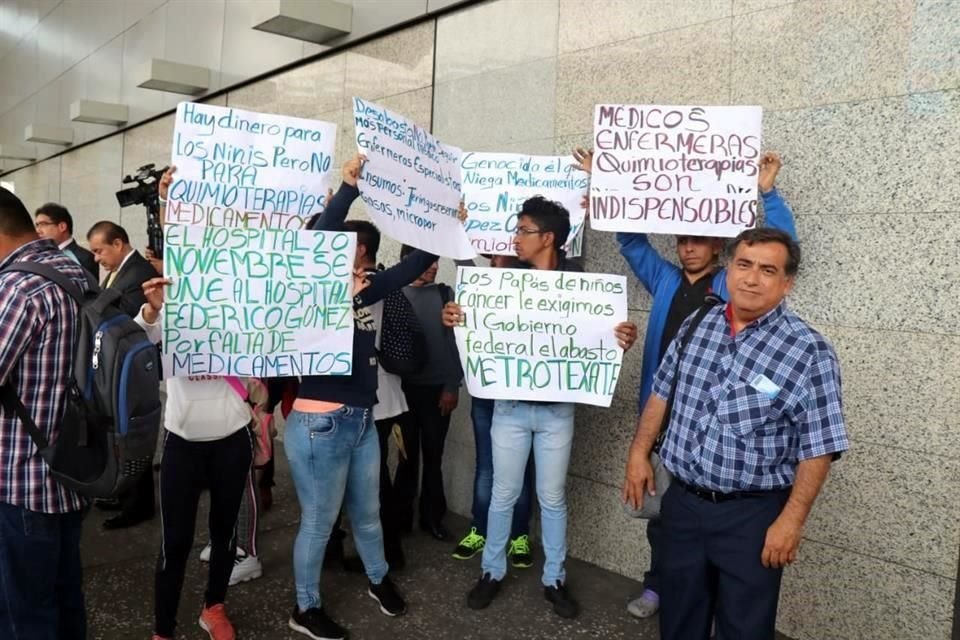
x=481 y=412
x=41 y=596
x=548 y=429
x=334 y=459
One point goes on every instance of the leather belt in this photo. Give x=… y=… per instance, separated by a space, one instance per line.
x=717 y=497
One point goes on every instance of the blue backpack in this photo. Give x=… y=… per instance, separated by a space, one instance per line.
x=108 y=431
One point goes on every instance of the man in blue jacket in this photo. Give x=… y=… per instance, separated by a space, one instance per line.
x=677 y=292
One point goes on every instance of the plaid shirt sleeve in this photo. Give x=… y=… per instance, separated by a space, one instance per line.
x=16 y=314
x=820 y=420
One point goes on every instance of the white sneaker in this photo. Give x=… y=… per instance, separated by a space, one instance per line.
x=205 y=554
x=245 y=568
x=644 y=606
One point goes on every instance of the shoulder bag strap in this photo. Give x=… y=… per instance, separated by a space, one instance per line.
x=708 y=303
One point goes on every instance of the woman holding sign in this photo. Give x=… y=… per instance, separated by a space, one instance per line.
x=332 y=445
x=546 y=428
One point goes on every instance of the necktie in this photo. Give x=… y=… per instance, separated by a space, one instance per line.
x=110 y=278
x=72 y=255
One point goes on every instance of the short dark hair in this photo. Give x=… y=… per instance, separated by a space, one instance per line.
x=111 y=232
x=57 y=214
x=367 y=235
x=549 y=216
x=766 y=235
x=15 y=220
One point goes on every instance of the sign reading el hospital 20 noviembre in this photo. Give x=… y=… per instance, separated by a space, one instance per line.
x=252 y=294
x=679 y=170
x=540 y=335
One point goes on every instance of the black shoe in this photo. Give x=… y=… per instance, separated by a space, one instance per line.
x=563 y=603
x=483 y=592
x=107 y=504
x=126 y=520
x=391 y=604
x=316 y=624
x=436 y=530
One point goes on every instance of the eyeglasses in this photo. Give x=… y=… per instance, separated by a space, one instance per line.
x=520 y=231
x=42 y=223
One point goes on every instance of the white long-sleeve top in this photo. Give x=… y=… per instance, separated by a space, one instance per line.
x=199 y=408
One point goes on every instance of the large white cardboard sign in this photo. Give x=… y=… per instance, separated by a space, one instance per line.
x=495 y=185
x=410 y=182
x=675 y=169
x=540 y=335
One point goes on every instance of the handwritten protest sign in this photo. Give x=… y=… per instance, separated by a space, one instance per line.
x=253 y=294
x=680 y=170
x=495 y=185
x=257 y=302
x=411 y=182
x=239 y=168
x=540 y=335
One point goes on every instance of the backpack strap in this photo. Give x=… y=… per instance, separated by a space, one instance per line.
x=11 y=402
x=709 y=303
x=238 y=387
x=8 y=395
x=54 y=275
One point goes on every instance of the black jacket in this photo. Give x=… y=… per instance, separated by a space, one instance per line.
x=85 y=257
x=129 y=282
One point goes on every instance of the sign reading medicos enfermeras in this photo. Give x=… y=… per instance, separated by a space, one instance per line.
x=685 y=170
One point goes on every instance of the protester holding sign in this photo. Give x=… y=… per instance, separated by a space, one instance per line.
x=544 y=427
x=677 y=292
x=208 y=444
x=331 y=443
x=481 y=415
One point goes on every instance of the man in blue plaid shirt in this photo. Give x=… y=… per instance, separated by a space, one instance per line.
x=755 y=423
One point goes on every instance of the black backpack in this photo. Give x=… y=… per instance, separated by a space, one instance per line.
x=403 y=346
x=108 y=431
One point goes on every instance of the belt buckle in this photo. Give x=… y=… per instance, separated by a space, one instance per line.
x=713 y=497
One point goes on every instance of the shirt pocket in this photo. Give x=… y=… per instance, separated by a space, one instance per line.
x=746 y=411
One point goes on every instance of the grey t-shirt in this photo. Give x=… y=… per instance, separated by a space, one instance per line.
x=443 y=360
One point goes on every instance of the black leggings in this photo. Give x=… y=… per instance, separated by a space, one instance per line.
x=187 y=468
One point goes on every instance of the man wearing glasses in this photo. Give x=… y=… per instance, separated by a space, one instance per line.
x=54 y=222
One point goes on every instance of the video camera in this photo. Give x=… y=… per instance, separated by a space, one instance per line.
x=146 y=192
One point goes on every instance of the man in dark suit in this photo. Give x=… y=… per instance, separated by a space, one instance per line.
x=54 y=222
x=127 y=270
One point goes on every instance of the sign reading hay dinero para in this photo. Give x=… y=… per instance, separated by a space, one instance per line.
x=257 y=302
x=495 y=186
x=540 y=335
x=245 y=169
x=252 y=294
x=410 y=182
x=675 y=169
